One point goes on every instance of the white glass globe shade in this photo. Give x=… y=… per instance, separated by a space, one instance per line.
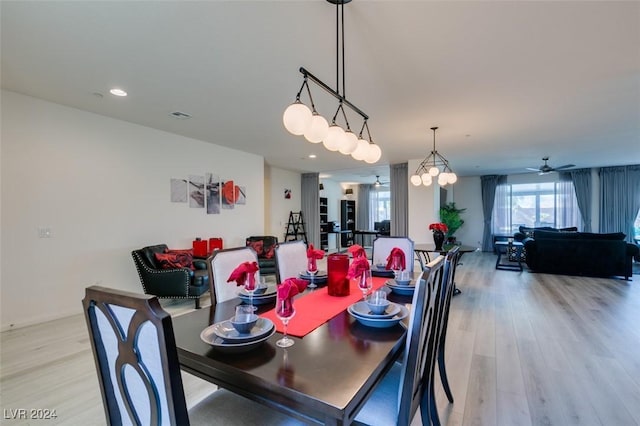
x=442 y=180
x=361 y=150
x=452 y=178
x=374 y=154
x=317 y=130
x=296 y=118
x=433 y=171
x=426 y=179
x=415 y=180
x=334 y=137
x=349 y=143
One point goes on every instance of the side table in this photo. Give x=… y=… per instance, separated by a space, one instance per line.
x=502 y=248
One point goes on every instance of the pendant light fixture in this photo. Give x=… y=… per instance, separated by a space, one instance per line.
x=432 y=166
x=299 y=119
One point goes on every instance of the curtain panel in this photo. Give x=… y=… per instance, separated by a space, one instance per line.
x=581 y=179
x=399 y=187
x=619 y=199
x=310 y=204
x=488 y=184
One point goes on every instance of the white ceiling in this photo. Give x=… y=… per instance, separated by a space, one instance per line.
x=506 y=82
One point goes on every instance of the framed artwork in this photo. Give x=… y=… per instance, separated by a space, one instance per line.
x=212 y=190
x=287 y=194
x=178 y=190
x=196 y=191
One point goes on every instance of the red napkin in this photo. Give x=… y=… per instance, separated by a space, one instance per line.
x=356 y=250
x=312 y=255
x=396 y=260
x=359 y=266
x=239 y=275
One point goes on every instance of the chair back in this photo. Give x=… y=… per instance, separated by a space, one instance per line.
x=448 y=286
x=419 y=354
x=221 y=265
x=291 y=259
x=136 y=358
x=382 y=247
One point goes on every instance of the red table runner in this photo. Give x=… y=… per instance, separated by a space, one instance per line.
x=316 y=307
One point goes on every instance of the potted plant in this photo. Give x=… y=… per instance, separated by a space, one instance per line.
x=450 y=216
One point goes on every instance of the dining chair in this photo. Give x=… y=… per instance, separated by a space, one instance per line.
x=447 y=278
x=138 y=370
x=382 y=247
x=221 y=265
x=291 y=259
x=405 y=386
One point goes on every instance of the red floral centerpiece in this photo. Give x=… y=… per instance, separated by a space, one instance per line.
x=439 y=229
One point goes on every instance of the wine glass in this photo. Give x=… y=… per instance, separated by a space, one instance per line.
x=250 y=287
x=285 y=311
x=365 y=284
x=312 y=270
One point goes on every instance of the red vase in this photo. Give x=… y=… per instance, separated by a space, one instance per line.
x=337 y=281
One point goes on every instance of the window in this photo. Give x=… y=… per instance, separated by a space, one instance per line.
x=379 y=205
x=534 y=205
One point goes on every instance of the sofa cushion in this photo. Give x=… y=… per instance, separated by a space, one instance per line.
x=616 y=236
x=264 y=246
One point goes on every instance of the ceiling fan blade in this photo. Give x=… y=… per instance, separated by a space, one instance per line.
x=566 y=166
x=532 y=169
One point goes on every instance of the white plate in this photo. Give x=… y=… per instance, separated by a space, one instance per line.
x=380 y=323
x=362 y=309
x=271 y=290
x=225 y=330
x=220 y=344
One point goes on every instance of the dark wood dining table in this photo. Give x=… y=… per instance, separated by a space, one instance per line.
x=324 y=378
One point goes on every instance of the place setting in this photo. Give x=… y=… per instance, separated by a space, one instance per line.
x=377 y=311
x=312 y=274
x=241 y=333
x=402 y=284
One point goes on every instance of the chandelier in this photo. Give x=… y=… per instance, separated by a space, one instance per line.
x=432 y=166
x=299 y=119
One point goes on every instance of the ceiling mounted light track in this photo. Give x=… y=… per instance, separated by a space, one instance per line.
x=432 y=166
x=300 y=120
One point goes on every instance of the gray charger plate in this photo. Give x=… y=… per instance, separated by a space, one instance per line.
x=226 y=330
x=220 y=344
x=380 y=323
x=362 y=309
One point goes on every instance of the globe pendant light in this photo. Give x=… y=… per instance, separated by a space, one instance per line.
x=334 y=137
x=430 y=167
x=296 y=118
x=349 y=143
x=317 y=129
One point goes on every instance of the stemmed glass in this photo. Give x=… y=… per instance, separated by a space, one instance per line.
x=250 y=287
x=285 y=311
x=312 y=270
x=365 y=283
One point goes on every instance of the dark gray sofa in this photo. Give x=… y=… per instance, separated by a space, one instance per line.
x=580 y=253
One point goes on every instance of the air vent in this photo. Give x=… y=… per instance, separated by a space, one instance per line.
x=180 y=115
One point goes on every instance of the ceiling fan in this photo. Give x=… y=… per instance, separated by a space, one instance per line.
x=546 y=168
x=378 y=184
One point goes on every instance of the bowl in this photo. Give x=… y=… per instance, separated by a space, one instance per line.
x=402 y=282
x=378 y=307
x=244 y=323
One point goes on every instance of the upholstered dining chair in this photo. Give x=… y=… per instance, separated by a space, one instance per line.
x=446 y=293
x=221 y=265
x=382 y=247
x=291 y=259
x=137 y=363
x=406 y=386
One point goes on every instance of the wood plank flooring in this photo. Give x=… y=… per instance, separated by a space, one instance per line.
x=522 y=349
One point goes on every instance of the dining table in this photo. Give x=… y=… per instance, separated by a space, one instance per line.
x=422 y=252
x=324 y=378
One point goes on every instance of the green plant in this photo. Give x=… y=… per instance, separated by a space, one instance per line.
x=450 y=216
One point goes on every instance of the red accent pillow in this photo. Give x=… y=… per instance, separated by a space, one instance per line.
x=271 y=251
x=172 y=259
x=258 y=246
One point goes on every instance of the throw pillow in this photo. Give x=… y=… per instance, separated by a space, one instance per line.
x=172 y=259
x=257 y=245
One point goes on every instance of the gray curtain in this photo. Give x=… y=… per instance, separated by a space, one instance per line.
x=489 y=183
x=310 y=204
x=581 y=179
x=363 y=211
x=619 y=199
x=399 y=186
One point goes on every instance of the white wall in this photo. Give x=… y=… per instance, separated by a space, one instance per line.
x=423 y=208
x=102 y=187
x=467 y=194
x=278 y=206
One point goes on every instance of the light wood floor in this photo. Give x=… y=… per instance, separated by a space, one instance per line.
x=522 y=349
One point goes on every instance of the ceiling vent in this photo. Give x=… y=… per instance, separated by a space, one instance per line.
x=180 y=115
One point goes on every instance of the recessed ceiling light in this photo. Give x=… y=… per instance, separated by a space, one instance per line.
x=118 y=92
x=312 y=156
